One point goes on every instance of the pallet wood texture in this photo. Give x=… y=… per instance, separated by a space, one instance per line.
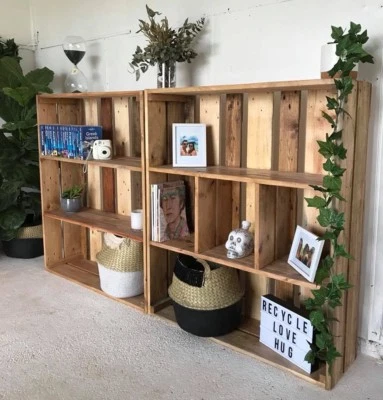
x=113 y=187
x=262 y=159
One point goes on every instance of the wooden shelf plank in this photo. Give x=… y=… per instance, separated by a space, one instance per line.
x=89 y=95
x=85 y=273
x=185 y=245
x=131 y=163
x=279 y=270
x=98 y=220
x=309 y=84
x=246 y=340
x=299 y=180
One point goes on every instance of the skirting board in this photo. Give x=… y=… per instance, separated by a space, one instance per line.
x=370 y=348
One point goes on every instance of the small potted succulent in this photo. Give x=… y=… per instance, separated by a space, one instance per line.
x=71 y=198
x=165 y=47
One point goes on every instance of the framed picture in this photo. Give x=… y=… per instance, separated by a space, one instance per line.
x=305 y=253
x=189 y=145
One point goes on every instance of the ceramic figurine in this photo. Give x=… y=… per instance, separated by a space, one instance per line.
x=240 y=242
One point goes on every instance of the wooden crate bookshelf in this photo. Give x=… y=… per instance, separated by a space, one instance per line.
x=114 y=187
x=262 y=156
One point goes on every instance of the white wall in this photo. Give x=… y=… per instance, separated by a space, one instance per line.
x=15 y=23
x=244 y=41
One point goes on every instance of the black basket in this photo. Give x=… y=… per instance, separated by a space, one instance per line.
x=187 y=269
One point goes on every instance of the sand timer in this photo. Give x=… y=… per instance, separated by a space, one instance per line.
x=74 y=49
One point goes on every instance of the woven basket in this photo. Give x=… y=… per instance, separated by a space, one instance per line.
x=29 y=232
x=120 y=266
x=220 y=289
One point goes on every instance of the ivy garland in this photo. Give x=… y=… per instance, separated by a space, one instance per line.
x=349 y=49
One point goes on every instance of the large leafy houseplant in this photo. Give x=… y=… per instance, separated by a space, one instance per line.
x=349 y=49
x=165 y=44
x=19 y=168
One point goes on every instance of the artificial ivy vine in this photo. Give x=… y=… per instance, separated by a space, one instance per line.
x=349 y=49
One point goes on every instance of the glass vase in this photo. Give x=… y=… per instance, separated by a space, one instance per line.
x=166 y=74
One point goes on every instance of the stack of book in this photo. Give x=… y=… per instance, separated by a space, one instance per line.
x=168 y=216
x=68 y=141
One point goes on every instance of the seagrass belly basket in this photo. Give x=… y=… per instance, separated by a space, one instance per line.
x=120 y=266
x=206 y=297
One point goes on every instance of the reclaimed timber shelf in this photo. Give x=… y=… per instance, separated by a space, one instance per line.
x=131 y=163
x=98 y=221
x=262 y=159
x=246 y=340
x=113 y=187
x=85 y=272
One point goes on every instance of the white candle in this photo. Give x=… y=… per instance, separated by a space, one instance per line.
x=136 y=219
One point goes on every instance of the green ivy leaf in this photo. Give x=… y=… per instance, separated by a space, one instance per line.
x=310 y=304
x=323 y=340
x=316 y=201
x=320 y=296
x=310 y=357
x=333 y=183
x=336 y=32
x=324 y=217
x=317 y=318
x=336 y=135
x=332 y=103
x=340 y=251
x=326 y=149
x=329 y=119
x=319 y=188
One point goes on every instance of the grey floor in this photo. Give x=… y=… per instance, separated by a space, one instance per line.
x=59 y=340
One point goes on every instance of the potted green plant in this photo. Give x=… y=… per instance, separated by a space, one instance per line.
x=20 y=202
x=165 y=47
x=71 y=198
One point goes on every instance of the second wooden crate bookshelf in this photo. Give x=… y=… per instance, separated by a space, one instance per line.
x=262 y=156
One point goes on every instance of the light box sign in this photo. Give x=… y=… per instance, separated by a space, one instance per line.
x=285 y=331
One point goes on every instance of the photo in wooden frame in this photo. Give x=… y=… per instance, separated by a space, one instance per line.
x=305 y=253
x=189 y=145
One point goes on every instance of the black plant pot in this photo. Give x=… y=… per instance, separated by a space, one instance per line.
x=23 y=248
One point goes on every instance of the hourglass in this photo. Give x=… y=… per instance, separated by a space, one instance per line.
x=74 y=49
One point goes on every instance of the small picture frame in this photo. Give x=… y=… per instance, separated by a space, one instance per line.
x=305 y=253
x=189 y=145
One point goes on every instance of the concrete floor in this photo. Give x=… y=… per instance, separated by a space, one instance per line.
x=59 y=340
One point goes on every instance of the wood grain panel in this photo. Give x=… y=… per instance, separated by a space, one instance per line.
x=94 y=201
x=157 y=131
x=123 y=136
x=210 y=115
x=135 y=107
x=259 y=154
x=358 y=193
x=70 y=112
x=286 y=203
x=92 y=111
x=50 y=200
x=205 y=227
x=175 y=114
x=233 y=138
x=348 y=138
x=157 y=276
